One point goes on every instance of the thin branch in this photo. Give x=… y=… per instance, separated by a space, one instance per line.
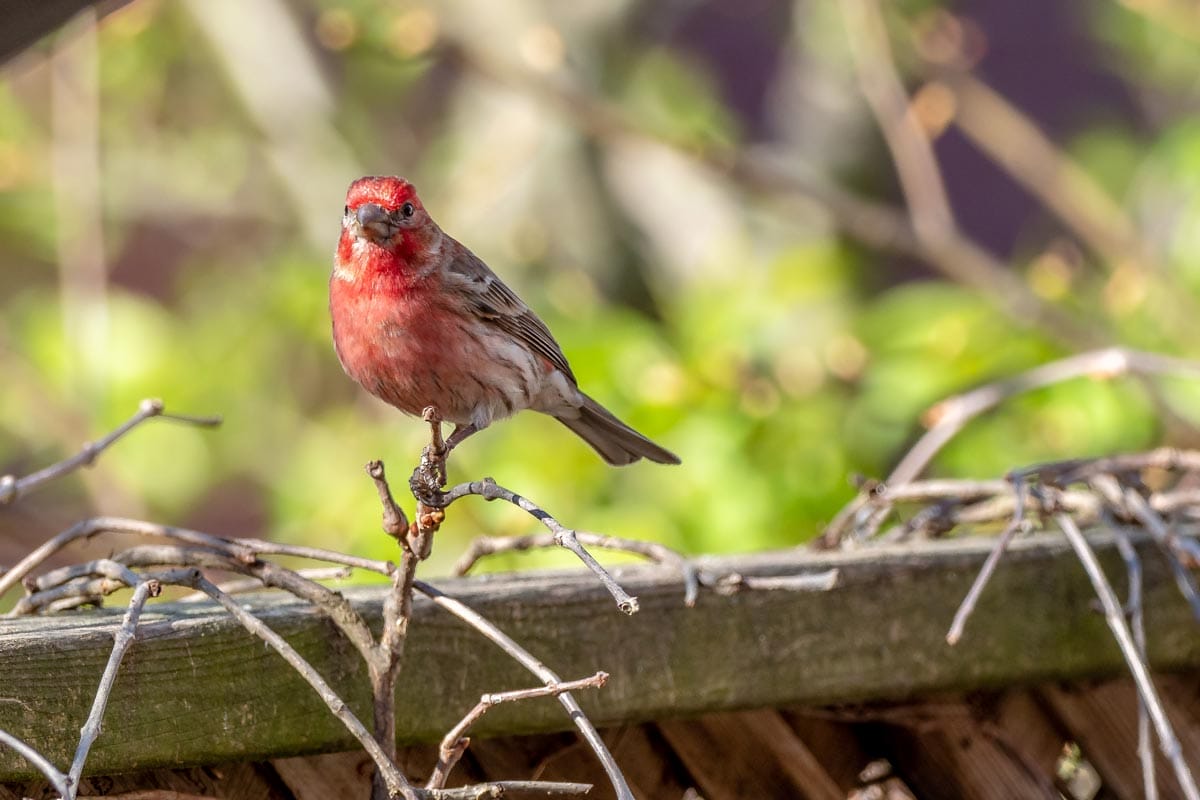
x=12 y=488
x=1013 y=141
x=734 y=582
x=397 y=784
x=90 y=527
x=989 y=567
x=395 y=521
x=1115 y=618
x=873 y=224
x=484 y=546
x=263 y=547
x=1177 y=549
x=1133 y=570
x=332 y=604
x=60 y=781
x=530 y=790
x=144 y=589
x=531 y=663
x=455 y=742
x=866 y=512
x=244 y=585
x=951 y=415
x=911 y=150
x=488 y=489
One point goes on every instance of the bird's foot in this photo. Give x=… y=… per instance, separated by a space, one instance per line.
x=429 y=478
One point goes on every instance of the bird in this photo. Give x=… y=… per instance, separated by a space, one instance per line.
x=419 y=320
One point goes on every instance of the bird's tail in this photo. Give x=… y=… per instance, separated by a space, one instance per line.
x=616 y=442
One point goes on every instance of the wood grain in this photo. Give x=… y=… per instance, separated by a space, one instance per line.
x=197 y=689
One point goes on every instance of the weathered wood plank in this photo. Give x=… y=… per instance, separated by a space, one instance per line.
x=947 y=751
x=198 y=689
x=748 y=754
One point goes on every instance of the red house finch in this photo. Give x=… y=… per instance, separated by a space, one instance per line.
x=419 y=320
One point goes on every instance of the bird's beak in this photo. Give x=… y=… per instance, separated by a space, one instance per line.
x=374 y=223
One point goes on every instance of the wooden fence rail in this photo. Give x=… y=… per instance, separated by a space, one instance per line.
x=196 y=688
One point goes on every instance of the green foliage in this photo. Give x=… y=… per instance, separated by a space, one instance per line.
x=776 y=359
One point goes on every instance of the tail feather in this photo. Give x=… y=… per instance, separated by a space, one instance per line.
x=616 y=442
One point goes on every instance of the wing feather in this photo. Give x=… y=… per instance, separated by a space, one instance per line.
x=499 y=305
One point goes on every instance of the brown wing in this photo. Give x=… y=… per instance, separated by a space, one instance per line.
x=498 y=304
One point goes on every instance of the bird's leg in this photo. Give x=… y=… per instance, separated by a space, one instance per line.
x=460 y=433
x=429 y=478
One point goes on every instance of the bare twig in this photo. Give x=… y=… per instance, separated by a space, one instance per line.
x=266 y=548
x=397 y=784
x=144 y=589
x=245 y=551
x=245 y=585
x=397 y=614
x=867 y=511
x=989 y=567
x=455 y=742
x=1135 y=612
x=911 y=151
x=12 y=487
x=488 y=489
x=60 y=781
x=531 y=663
x=484 y=546
x=395 y=521
x=90 y=527
x=332 y=604
x=873 y=224
x=734 y=582
x=1137 y=666
x=950 y=416
x=1177 y=551
x=518 y=790
x=1014 y=141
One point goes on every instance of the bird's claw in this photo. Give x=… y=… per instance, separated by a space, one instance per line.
x=429 y=478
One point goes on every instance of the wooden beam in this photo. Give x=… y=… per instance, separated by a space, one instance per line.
x=197 y=689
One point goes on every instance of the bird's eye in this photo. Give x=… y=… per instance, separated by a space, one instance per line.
x=407 y=210
x=345 y=211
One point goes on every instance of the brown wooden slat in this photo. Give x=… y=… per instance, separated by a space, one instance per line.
x=834 y=745
x=326 y=776
x=748 y=754
x=944 y=751
x=651 y=767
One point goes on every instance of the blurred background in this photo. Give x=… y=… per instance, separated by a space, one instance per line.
x=769 y=234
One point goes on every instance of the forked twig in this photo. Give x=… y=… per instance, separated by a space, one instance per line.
x=455 y=742
x=397 y=784
x=951 y=415
x=864 y=514
x=967 y=606
x=488 y=489
x=531 y=663
x=12 y=487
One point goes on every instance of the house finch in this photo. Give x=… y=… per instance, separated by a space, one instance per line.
x=419 y=320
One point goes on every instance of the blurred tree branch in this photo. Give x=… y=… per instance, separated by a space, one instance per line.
x=876 y=225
